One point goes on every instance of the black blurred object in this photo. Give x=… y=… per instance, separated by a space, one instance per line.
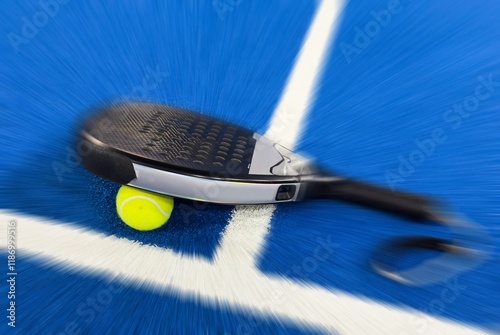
x=184 y=154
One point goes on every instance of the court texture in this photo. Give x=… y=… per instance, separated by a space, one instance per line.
x=403 y=94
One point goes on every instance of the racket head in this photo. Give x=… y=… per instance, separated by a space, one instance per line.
x=172 y=138
x=146 y=144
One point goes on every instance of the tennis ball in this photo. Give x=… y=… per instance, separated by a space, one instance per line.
x=143 y=210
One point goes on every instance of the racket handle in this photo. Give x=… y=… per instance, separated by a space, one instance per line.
x=409 y=206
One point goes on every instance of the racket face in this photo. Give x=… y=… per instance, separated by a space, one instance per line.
x=175 y=139
x=168 y=150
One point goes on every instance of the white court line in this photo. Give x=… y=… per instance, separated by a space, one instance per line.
x=247 y=288
x=296 y=100
x=244 y=236
x=234 y=278
x=285 y=128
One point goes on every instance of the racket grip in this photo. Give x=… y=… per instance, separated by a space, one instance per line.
x=409 y=206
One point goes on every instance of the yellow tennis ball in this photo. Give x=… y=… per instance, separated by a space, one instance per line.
x=143 y=210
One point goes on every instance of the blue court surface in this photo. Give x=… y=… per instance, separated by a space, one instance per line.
x=409 y=98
